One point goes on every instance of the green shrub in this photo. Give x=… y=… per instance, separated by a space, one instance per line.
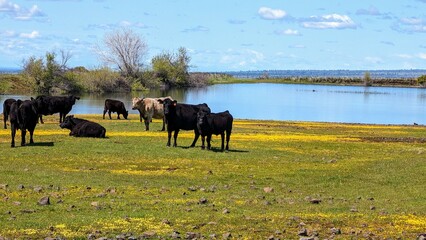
x=422 y=80
x=367 y=79
x=102 y=80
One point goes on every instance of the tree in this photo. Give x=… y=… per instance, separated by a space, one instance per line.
x=48 y=73
x=124 y=49
x=367 y=79
x=172 y=69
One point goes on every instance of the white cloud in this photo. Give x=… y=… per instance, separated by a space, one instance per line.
x=372 y=11
x=198 y=28
x=242 y=58
x=411 y=21
x=422 y=56
x=290 y=32
x=405 y=56
x=297 y=46
x=374 y=60
x=8 y=34
x=333 y=21
x=271 y=14
x=410 y=25
x=27 y=15
x=17 y=12
x=33 y=34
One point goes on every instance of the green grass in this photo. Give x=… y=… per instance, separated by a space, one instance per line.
x=370 y=180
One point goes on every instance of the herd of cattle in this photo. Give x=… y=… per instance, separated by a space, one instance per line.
x=24 y=115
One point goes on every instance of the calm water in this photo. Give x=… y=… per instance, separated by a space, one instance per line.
x=381 y=105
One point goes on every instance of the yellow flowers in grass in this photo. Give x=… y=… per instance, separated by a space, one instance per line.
x=133 y=225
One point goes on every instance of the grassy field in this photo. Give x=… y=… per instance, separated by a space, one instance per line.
x=279 y=179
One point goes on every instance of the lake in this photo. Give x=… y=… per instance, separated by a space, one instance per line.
x=294 y=102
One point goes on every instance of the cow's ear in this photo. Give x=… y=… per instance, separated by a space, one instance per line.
x=78 y=98
x=32 y=99
x=160 y=101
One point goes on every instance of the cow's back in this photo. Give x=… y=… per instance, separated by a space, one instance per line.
x=88 y=129
x=55 y=104
x=114 y=105
x=186 y=115
x=220 y=122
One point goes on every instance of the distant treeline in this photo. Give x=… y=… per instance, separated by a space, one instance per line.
x=376 y=74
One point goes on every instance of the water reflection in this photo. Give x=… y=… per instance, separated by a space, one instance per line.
x=383 y=105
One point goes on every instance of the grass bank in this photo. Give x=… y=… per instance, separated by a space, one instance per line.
x=377 y=82
x=279 y=179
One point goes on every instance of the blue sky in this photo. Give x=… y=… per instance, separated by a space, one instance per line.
x=225 y=35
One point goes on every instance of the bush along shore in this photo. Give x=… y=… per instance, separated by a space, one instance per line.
x=80 y=80
x=279 y=180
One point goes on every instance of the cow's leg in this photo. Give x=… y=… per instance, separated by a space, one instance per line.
x=31 y=136
x=23 y=133
x=202 y=141
x=228 y=136
x=13 y=132
x=140 y=116
x=169 y=135
x=60 y=117
x=175 y=137
x=64 y=115
x=109 y=114
x=222 y=136
x=197 y=134
x=103 y=116
x=41 y=118
x=5 y=120
x=146 y=121
x=164 y=124
x=209 y=138
x=118 y=115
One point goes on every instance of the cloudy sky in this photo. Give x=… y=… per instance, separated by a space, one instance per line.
x=225 y=35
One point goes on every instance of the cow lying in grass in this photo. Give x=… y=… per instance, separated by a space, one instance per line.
x=214 y=123
x=83 y=128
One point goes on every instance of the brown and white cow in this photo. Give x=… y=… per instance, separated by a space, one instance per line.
x=150 y=108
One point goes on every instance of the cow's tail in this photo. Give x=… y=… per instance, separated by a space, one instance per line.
x=5 y=114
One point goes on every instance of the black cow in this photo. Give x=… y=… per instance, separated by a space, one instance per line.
x=182 y=116
x=83 y=128
x=117 y=106
x=23 y=116
x=6 y=109
x=214 y=123
x=49 y=105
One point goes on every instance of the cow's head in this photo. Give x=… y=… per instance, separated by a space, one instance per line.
x=137 y=103
x=168 y=105
x=73 y=98
x=201 y=117
x=68 y=123
x=125 y=114
x=34 y=105
x=39 y=102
